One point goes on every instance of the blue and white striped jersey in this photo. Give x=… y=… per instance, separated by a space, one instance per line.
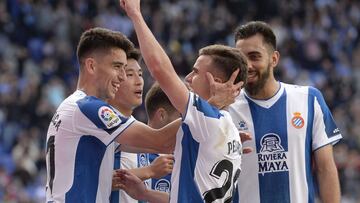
x=127 y=160
x=207 y=155
x=162 y=184
x=286 y=130
x=80 y=149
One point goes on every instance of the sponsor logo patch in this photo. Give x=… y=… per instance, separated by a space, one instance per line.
x=108 y=117
x=243 y=126
x=162 y=185
x=297 y=121
x=272 y=156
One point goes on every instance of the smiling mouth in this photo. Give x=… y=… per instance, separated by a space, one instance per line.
x=116 y=86
x=252 y=74
x=138 y=93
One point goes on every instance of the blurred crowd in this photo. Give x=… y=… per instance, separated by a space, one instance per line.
x=319 y=42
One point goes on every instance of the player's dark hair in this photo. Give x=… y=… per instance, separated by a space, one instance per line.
x=156 y=98
x=256 y=27
x=134 y=54
x=101 y=39
x=228 y=59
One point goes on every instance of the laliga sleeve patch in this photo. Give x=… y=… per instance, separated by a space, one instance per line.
x=108 y=117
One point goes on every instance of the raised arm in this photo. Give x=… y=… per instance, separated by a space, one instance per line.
x=156 y=59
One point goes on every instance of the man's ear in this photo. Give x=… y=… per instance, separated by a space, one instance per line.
x=90 y=65
x=161 y=114
x=275 y=58
x=217 y=79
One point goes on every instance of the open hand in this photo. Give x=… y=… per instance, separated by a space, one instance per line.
x=224 y=94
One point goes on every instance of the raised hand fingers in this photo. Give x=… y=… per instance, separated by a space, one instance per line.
x=233 y=77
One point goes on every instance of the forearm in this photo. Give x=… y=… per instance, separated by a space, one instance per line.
x=142 y=136
x=327 y=175
x=153 y=196
x=153 y=54
x=132 y=149
x=159 y=65
x=167 y=136
x=143 y=173
x=329 y=185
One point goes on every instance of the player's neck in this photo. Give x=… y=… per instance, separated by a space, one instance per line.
x=86 y=85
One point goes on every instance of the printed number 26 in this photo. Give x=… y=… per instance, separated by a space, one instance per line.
x=219 y=193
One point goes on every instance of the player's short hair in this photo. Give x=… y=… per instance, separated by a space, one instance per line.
x=101 y=39
x=134 y=54
x=156 y=98
x=256 y=27
x=228 y=59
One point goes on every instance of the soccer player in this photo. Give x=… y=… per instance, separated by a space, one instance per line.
x=208 y=147
x=80 y=149
x=128 y=97
x=160 y=112
x=292 y=126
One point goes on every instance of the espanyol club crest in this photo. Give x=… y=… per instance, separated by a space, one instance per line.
x=108 y=117
x=297 y=121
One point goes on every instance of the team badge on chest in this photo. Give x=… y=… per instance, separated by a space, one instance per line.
x=297 y=121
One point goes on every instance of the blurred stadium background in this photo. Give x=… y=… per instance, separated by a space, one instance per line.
x=318 y=40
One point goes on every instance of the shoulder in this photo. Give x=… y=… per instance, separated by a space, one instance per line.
x=299 y=89
x=100 y=112
x=201 y=105
x=240 y=100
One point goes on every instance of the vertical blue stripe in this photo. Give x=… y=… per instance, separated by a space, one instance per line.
x=89 y=155
x=271 y=137
x=236 y=198
x=308 y=148
x=188 y=190
x=114 y=198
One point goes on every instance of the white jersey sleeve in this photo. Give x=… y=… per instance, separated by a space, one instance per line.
x=198 y=116
x=325 y=130
x=99 y=119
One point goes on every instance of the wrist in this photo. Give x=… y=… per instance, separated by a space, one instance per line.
x=148 y=173
x=136 y=16
x=213 y=103
x=151 y=172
